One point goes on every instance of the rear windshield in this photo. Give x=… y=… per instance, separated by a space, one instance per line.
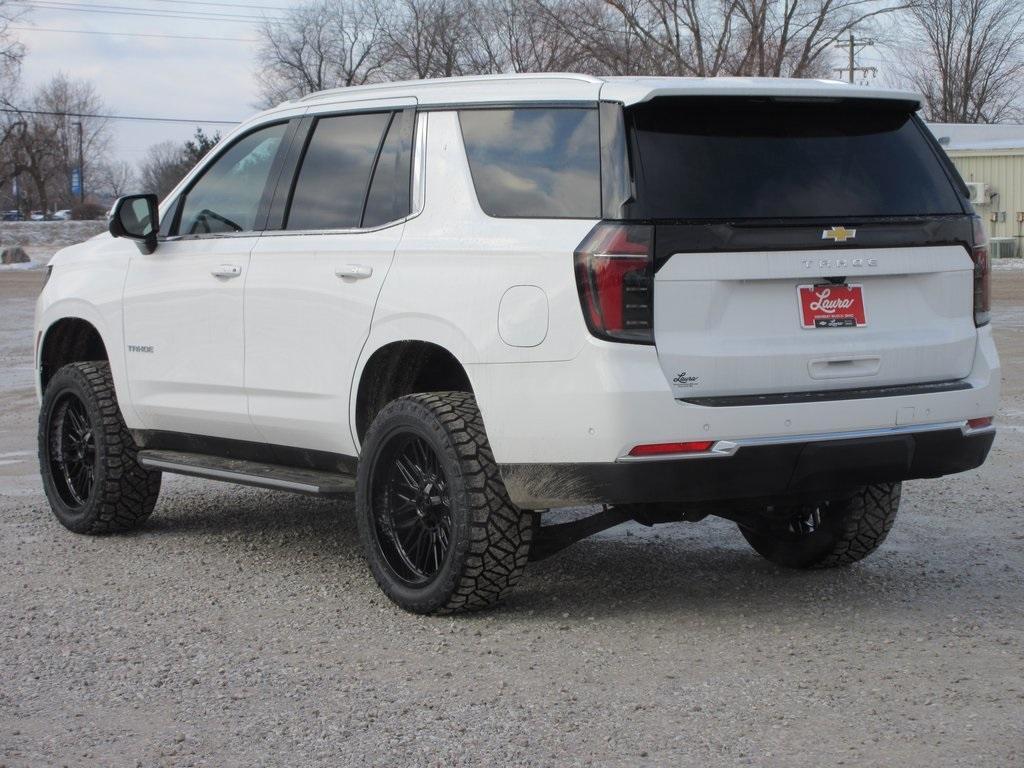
x=744 y=158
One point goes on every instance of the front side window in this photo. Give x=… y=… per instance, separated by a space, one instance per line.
x=226 y=198
x=534 y=162
x=332 y=184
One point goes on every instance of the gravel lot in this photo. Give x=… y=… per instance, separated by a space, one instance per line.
x=241 y=627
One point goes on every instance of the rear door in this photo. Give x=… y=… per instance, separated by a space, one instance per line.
x=801 y=246
x=316 y=273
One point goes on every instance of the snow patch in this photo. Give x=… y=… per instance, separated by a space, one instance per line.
x=22 y=265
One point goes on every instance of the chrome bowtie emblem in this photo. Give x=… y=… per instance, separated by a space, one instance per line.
x=838 y=234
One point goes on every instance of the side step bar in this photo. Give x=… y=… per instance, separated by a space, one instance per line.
x=311 y=481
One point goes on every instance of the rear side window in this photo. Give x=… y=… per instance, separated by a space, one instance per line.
x=534 y=163
x=389 y=196
x=332 y=183
x=743 y=158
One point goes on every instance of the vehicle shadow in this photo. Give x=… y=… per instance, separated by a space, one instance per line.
x=678 y=568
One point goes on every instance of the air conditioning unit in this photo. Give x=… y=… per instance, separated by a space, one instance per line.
x=1002 y=247
x=981 y=193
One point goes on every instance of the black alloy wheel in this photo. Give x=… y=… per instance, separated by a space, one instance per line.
x=71 y=445
x=413 y=519
x=834 y=532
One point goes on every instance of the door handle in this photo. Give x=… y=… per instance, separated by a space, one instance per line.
x=354 y=271
x=226 y=270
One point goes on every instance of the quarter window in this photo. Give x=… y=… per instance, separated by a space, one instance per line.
x=534 y=163
x=332 y=184
x=226 y=198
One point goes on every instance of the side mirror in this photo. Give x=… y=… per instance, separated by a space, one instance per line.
x=137 y=218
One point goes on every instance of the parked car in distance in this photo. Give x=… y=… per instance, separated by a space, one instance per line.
x=469 y=301
x=12 y=216
x=37 y=216
x=62 y=215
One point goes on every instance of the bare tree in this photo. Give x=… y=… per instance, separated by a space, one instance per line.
x=966 y=57
x=67 y=104
x=167 y=163
x=56 y=133
x=431 y=38
x=162 y=169
x=11 y=50
x=37 y=159
x=322 y=44
x=113 y=179
x=11 y=123
x=772 y=38
x=525 y=36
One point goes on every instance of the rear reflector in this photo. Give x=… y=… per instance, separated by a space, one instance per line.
x=979 y=423
x=664 y=449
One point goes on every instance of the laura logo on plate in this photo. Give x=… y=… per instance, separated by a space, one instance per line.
x=831 y=306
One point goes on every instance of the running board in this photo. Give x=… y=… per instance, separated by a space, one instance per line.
x=311 y=481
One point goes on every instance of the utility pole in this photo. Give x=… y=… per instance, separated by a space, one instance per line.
x=855 y=47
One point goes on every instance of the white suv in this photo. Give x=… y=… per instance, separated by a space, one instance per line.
x=468 y=301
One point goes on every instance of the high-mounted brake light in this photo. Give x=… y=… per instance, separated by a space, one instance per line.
x=982 y=274
x=615 y=277
x=665 y=449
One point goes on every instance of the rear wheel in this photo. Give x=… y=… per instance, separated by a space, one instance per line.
x=827 y=534
x=437 y=526
x=87 y=457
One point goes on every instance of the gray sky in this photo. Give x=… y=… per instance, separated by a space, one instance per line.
x=150 y=76
x=156 y=76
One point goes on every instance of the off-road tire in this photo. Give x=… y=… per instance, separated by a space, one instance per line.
x=851 y=528
x=123 y=494
x=490 y=537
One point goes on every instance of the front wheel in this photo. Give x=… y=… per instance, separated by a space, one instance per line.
x=87 y=457
x=437 y=526
x=830 y=533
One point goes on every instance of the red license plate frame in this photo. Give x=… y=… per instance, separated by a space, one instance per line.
x=831 y=305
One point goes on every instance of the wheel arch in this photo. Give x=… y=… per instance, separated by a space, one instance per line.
x=402 y=367
x=68 y=339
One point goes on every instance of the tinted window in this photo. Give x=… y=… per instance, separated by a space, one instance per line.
x=535 y=163
x=331 y=187
x=738 y=158
x=227 y=196
x=389 y=191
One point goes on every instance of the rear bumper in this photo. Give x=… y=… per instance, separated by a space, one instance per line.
x=755 y=471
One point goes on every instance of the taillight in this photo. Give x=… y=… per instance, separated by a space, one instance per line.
x=615 y=277
x=982 y=274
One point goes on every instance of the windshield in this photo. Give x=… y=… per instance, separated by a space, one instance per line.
x=737 y=158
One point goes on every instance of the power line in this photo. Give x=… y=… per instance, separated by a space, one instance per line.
x=226 y=5
x=148 y=13
x=64 y=5
x=117 y=117
x=135 y=34
x=107 y=6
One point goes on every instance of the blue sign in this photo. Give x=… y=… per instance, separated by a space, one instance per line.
x=76 y=182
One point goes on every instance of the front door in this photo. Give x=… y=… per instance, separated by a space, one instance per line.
x=183 y=303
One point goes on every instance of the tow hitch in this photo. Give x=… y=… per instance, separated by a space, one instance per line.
x=549 y=539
